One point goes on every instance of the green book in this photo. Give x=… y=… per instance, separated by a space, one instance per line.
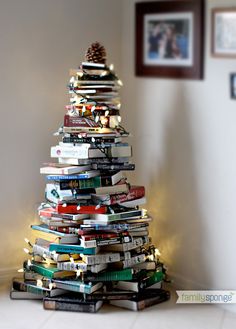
x=126 y=274
x=72 y=249
x=78 y=286
x=50 y=271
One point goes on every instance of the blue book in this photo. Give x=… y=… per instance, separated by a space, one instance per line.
x=83 y=175
x=72 y=249
x=78 y=286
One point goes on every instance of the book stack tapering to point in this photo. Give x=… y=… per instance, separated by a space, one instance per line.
x=92 y=244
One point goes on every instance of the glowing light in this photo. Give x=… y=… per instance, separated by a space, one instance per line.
x=78 y=207
x=78 y=273
x=144 y=212
x=119 y=118
x=29 y=262
x=120 y=83
x=111 y=67
x=157 y=252
x=97 y=118
x=64 y=205
x=97 y=206
x=80 y=74
x=93 y=140
x=72 y=79
x=26 y=250
x=93 y=108
x=50 y=285
x=39 y=283
x=106 y=113
x=104 y=121
x=83 y=109
x=21 y=270
x=72 y=260
x=27 y=240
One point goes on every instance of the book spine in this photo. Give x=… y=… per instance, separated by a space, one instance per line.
x=80 y=287
x=80 y=122
x=92 y=182
x=67 y=177
x=112 y=276
x=73 y=209
x=101 y=259
x=21 y=286
x=136 y=243
x=112 y=166
x=134 y=260
x=49 y=304
x=79 y=151
x=72 y=266
x=73 y=249
x=44 y=252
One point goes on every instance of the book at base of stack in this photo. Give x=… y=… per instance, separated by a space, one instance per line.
x=92 y=242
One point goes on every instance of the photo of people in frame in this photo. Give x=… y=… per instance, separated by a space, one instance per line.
x=168 y=40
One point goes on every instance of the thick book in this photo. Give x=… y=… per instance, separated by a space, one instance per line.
x=43 y=251
x=119 y=188
x=112 y=166
x=73 y=249
x=112 y=177
x=31 y=288
x=108 y=218
x=78 y=286
x=50 y=271
x=141 y=283
x=125 y=274
x=74 y=209
x=122 y=247
x=81 y=266
x=75 y=184
x=60 y=169
x=79 y=151
x=69 y=177
x=23 y=295
x=42 y=231
x=134 y=193
x=80 y=122
x=72 y=302
x=156 y=296
x=52 y=213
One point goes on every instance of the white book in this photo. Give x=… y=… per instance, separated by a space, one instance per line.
x=136 y=243
x=61 y=169
x=79 y=151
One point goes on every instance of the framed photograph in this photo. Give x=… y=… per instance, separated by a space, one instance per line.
x=224 y=32
x=233 y=85
x=169 y=39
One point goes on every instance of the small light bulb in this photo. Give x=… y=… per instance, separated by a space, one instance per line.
x=64 y=205
x=50 y=285
x=93 y=108
x=106 y=113
x=120 y=82
x=78 y=207
x=83 y=109
x=157 y=252
x=39 y=283
x=97 y=118
x=111 y=67
x=27 y=240
x=98 y=206
x=119 y=118
x=93 y=140
x=26 y=250
x=21 y=270
x=29 y=262
x=72 y=79
x=72 y=260
x=80 y=74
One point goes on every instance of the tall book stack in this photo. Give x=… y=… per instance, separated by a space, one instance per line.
x=92 y=244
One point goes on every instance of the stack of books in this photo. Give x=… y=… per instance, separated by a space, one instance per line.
x=92 y=244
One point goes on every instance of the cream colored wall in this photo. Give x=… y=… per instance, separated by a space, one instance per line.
x=184 y=148
x=40 y=41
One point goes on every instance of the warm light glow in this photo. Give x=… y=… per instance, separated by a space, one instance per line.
x=78 y=273
x=104 y=121
x=106 y=113
x=21 y=270
x=72 y=260
x=72 y=79
x=64 y=205
x=111 y=67
x=119 y=118
x=97 y=118
x=26 y=250
x=98 y=206
x=120 y=82
x=157 y=252
x=93 y=108
x=78 y=207
x=80 y=74
x=29 y=262
x=50 y=285
x=83 y=108
x=27 y=240
x=144 y=212
x=93 y=140
x=39 y=283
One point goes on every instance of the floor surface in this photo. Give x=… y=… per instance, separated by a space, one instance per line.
x=16 y=314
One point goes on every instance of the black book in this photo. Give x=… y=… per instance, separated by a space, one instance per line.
x=72 y=302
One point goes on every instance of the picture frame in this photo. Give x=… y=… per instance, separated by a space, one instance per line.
x=223 y=35
x=233 y=85
x=169 y=39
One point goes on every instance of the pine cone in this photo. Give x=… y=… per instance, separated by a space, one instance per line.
x=96 y=53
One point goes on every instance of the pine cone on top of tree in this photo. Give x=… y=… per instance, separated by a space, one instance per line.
x=96 y=53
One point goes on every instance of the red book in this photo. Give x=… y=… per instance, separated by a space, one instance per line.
x=74 y=209
x=88 y=237
x=78 y=121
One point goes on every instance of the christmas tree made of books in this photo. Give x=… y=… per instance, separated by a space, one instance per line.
x=92 y=245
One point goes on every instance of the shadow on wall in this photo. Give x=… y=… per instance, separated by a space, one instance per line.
x=172 y=198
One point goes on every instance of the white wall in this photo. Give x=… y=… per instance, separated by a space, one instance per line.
x=184 y=148
x=40 y=41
